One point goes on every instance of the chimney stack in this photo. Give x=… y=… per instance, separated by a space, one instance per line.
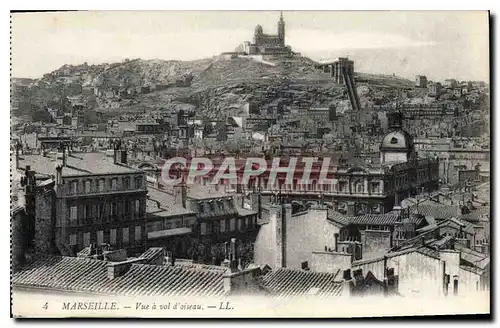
x=336 y=237
x=170 y=259
x=123 y=158
x=65 y=156
x=118 y=269
x=232 y=258
x=59 y=174
x=180 y=192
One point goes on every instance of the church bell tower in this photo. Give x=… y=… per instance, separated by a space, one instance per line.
x=281 y=30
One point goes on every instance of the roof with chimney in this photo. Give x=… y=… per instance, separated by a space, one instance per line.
x=163 y=204
x=478 y=214
x=90 y=276
x=76 y=164
x=152 y=253
x=289 y=283
x=389 y=218
x=200 y=192
x=430 y=247
x=437 y=210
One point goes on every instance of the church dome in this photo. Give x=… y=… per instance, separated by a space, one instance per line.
x=397 y=140
x=258 y=30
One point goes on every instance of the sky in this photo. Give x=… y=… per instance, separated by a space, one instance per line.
x=439 y=44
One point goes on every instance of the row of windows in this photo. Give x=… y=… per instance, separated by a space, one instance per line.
x=105 y=184
x=84 y=214
x=169 y=223
x=360 y=208
x=111 y=237
x=378 y=227
x=341 y=186
x=227 y=225
x=224 y=205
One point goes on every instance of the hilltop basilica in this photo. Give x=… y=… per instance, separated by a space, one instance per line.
x=266 y=44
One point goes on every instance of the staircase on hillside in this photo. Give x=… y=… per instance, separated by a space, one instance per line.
x=351 y=89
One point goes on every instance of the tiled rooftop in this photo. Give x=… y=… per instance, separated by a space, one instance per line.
x=197 y=266
x=285 y=283
x=437 y=210
x=77 y=164
x=90 y=276
x=167 y=207
x=389 y=218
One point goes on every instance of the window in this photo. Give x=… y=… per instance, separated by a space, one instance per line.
x=114 y=183
x=232 y=224
x=128 y=206
x=72 y=240
x=126 y=183
x=101 y=213
x=222 y=225
x=138 y=183
x=86 y=239
x=138 y=231
x=101 y=185
x=112 y=236
x=125 y=236
x=137 y=206
x=87 y=211
x=114 y=209
x=73 y=216
x=394 y=140
x=100 y=237
x=203 y=229
x=88 y=186
x=74 y=187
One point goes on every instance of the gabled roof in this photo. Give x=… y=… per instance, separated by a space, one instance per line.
x=389 y=218
x=437 y=210
x=77 y=164
x=337 y=218
x=288 y=283
x=84 y=275
x=152 y=253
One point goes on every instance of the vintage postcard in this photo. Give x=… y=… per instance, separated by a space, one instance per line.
x=256 y=164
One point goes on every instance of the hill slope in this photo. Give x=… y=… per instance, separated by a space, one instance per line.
x=212 y=85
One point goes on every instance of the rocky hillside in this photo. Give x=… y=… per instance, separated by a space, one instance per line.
x=214 y=86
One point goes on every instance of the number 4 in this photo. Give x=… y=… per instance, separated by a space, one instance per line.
x=46 y=306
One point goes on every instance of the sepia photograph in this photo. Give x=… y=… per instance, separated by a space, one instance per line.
x=250 y=164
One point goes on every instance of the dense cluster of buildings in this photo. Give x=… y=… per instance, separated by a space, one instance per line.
x=372 y=226
x=401 y=213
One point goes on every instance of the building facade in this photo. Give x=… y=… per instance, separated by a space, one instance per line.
x=94 y=200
